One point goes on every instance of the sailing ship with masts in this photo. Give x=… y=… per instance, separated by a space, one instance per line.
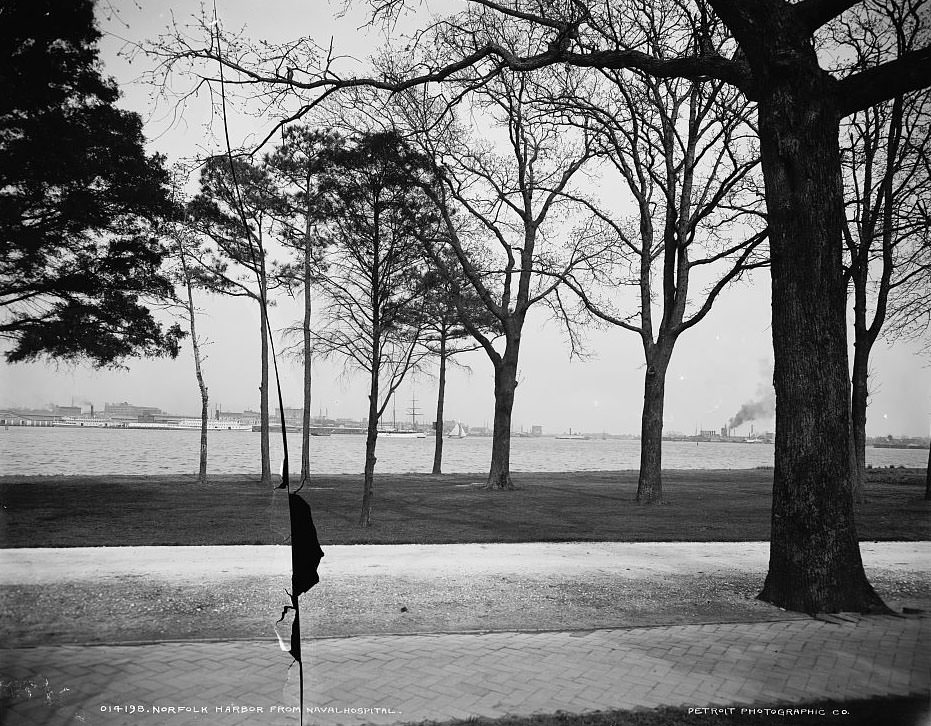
x=395 y=433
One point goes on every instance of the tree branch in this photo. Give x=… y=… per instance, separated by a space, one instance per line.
x=909 y=72
x=815 y=13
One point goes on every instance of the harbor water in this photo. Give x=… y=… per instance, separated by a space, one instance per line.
x=31 y=451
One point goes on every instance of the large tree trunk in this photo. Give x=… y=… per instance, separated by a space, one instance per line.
x=371 y=438
x=650 y=484
x=815 y=563
x=441 y=394
x=263 y=405
x=308 y=351
x=499 y=475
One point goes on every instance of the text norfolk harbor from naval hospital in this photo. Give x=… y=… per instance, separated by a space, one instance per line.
x=184 y=710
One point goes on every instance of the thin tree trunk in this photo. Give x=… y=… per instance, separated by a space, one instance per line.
x=858 y=407
x=308 y=350
x=202 y=468
x=263 y=405
x=201 y=385
x=441 y=394
x=650 y=484
x=815 y=563
x=865 y=335
x=859 y=375
x=928 y=476
x=499 y=475
x=371 y=438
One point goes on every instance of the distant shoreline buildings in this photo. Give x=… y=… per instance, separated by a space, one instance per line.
x=127 y=415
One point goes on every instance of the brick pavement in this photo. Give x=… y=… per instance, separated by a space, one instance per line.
x=412 y=678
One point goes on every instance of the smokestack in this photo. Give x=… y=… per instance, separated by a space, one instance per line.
x=92 y=410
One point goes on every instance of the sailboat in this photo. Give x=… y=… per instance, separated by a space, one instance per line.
x=458 y=432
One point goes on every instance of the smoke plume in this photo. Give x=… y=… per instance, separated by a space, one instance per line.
x=764 y=405
x=754 y=410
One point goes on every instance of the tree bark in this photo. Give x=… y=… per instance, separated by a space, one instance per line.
x=650 y=484
x=815 y=563
x=499 y=475
x=441 y=394
x=202 y=468
x=201 y=385
x=371 y=438
x=858 y=407
x=308 y=351
x=263 y=404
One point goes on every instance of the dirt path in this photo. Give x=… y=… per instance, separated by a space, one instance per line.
x=126 y=594
x=630 y=559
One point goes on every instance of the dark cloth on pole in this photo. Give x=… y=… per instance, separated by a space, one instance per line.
x=306 y=554
x=305 y=547
x=296 y=632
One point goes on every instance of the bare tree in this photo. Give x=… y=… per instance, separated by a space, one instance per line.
x=508 y=214
x=886 y=160
x=185 y=250
x=296 y=166
x=446 y=304
x=374 y=218
x=685 y=153
x=233 y=209
x=815 y=562
x=189 y=277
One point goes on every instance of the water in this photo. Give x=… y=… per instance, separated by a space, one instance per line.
x=25 y=450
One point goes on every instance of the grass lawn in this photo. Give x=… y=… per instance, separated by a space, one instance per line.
x=873 y=712
x=413 y=508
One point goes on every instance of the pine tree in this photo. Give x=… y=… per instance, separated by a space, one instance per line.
x=80 y=200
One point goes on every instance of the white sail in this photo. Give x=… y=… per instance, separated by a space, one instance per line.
x=458 y=432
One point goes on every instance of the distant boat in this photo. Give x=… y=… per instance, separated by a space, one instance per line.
x=403 y=434
x=90 y=421
x=321 y=433
x=458 y=432
x=753 y=441
x=193 y=423
x=572 y=437
x=411 y=433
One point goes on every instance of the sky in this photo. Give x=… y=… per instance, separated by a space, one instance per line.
x=718 y=366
